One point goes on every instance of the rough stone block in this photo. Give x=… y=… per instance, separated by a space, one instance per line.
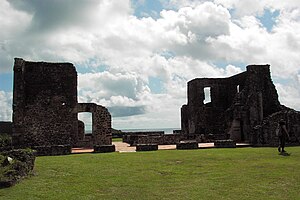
x=53 y=150
x=104 y=148
x=146 y=147
x=225 y=144
x=187 y=144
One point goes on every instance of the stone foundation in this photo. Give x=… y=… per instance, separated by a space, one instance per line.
x=225 y=144
x=146 y=147
x=104 y=148
x=54 y=150
x=188 y=144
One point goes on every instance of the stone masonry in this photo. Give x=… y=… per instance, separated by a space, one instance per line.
x=45 y=108
x=241 y=107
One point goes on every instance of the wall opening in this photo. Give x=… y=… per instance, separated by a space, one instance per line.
x=86 y=117
x=207 y=95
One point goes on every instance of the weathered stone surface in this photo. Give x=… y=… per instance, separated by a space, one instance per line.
x=264 y=134
x=238 y=105
x=44 y=102
x=53 y=150
x=187 y=144
x=104 y=148
x=101 y=123
x=225 y=144
x=146 y=147
x=45 y=110
x=6 y=128
x=134 y=138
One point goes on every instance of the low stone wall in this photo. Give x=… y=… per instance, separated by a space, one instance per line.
x=225 y=144
x=146 y=147
x=16 y=164
x=165 y=139
x=133 y=137
x=264 y=134
x=188 y=144
x=104 y=148
x=53 y=150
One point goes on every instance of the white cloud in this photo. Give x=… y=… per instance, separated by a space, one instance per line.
x=181 y=44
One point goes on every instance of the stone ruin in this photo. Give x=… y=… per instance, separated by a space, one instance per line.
x=244 y=108
x=45 y=110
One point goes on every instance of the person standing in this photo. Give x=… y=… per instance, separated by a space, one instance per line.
x=282 y=134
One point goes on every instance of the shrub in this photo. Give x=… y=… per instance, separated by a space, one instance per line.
x=22 y=164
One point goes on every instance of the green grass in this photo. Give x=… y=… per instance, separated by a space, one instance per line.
x=117 y=139
x=247 y=173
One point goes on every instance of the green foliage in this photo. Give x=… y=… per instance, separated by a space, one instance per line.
x=247 y=173
x=21 y=165
x=117 y=133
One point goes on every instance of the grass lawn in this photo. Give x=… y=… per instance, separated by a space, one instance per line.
x=117 y=139
x=246 y=173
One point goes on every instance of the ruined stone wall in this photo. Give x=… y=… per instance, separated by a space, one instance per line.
x=165 y=139
x=238 y=104
x=101 y=120
x=200 y=118
x=265 y=134
x=44 y=102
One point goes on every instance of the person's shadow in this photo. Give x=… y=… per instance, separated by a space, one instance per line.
x=284 y=154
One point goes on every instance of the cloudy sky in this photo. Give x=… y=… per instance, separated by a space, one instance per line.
x=135 y=57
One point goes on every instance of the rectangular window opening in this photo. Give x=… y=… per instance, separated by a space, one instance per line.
x=86 y=117
x=207 y=95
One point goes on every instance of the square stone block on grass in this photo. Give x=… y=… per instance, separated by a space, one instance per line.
x=104 y=148
x=187 y=144
x=225 y=144
x=146 y=147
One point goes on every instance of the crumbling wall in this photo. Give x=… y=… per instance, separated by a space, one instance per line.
x=238 y=104
x=209 y=118
x=265 y=134
x=101 y=123
x=45 y=110
x=44 y=102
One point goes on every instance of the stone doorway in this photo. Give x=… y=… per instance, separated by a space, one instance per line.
x=100 y=126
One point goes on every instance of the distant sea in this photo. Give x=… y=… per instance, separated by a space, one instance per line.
x=166 y=130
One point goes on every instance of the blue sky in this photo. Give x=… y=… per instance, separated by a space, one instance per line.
x=135 y=57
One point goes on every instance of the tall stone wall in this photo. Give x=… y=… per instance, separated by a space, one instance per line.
x=238 y=104
x=45 y=110
x=44 y=102
x=200 y=118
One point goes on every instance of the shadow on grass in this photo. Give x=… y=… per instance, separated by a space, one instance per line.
x=284 y=154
